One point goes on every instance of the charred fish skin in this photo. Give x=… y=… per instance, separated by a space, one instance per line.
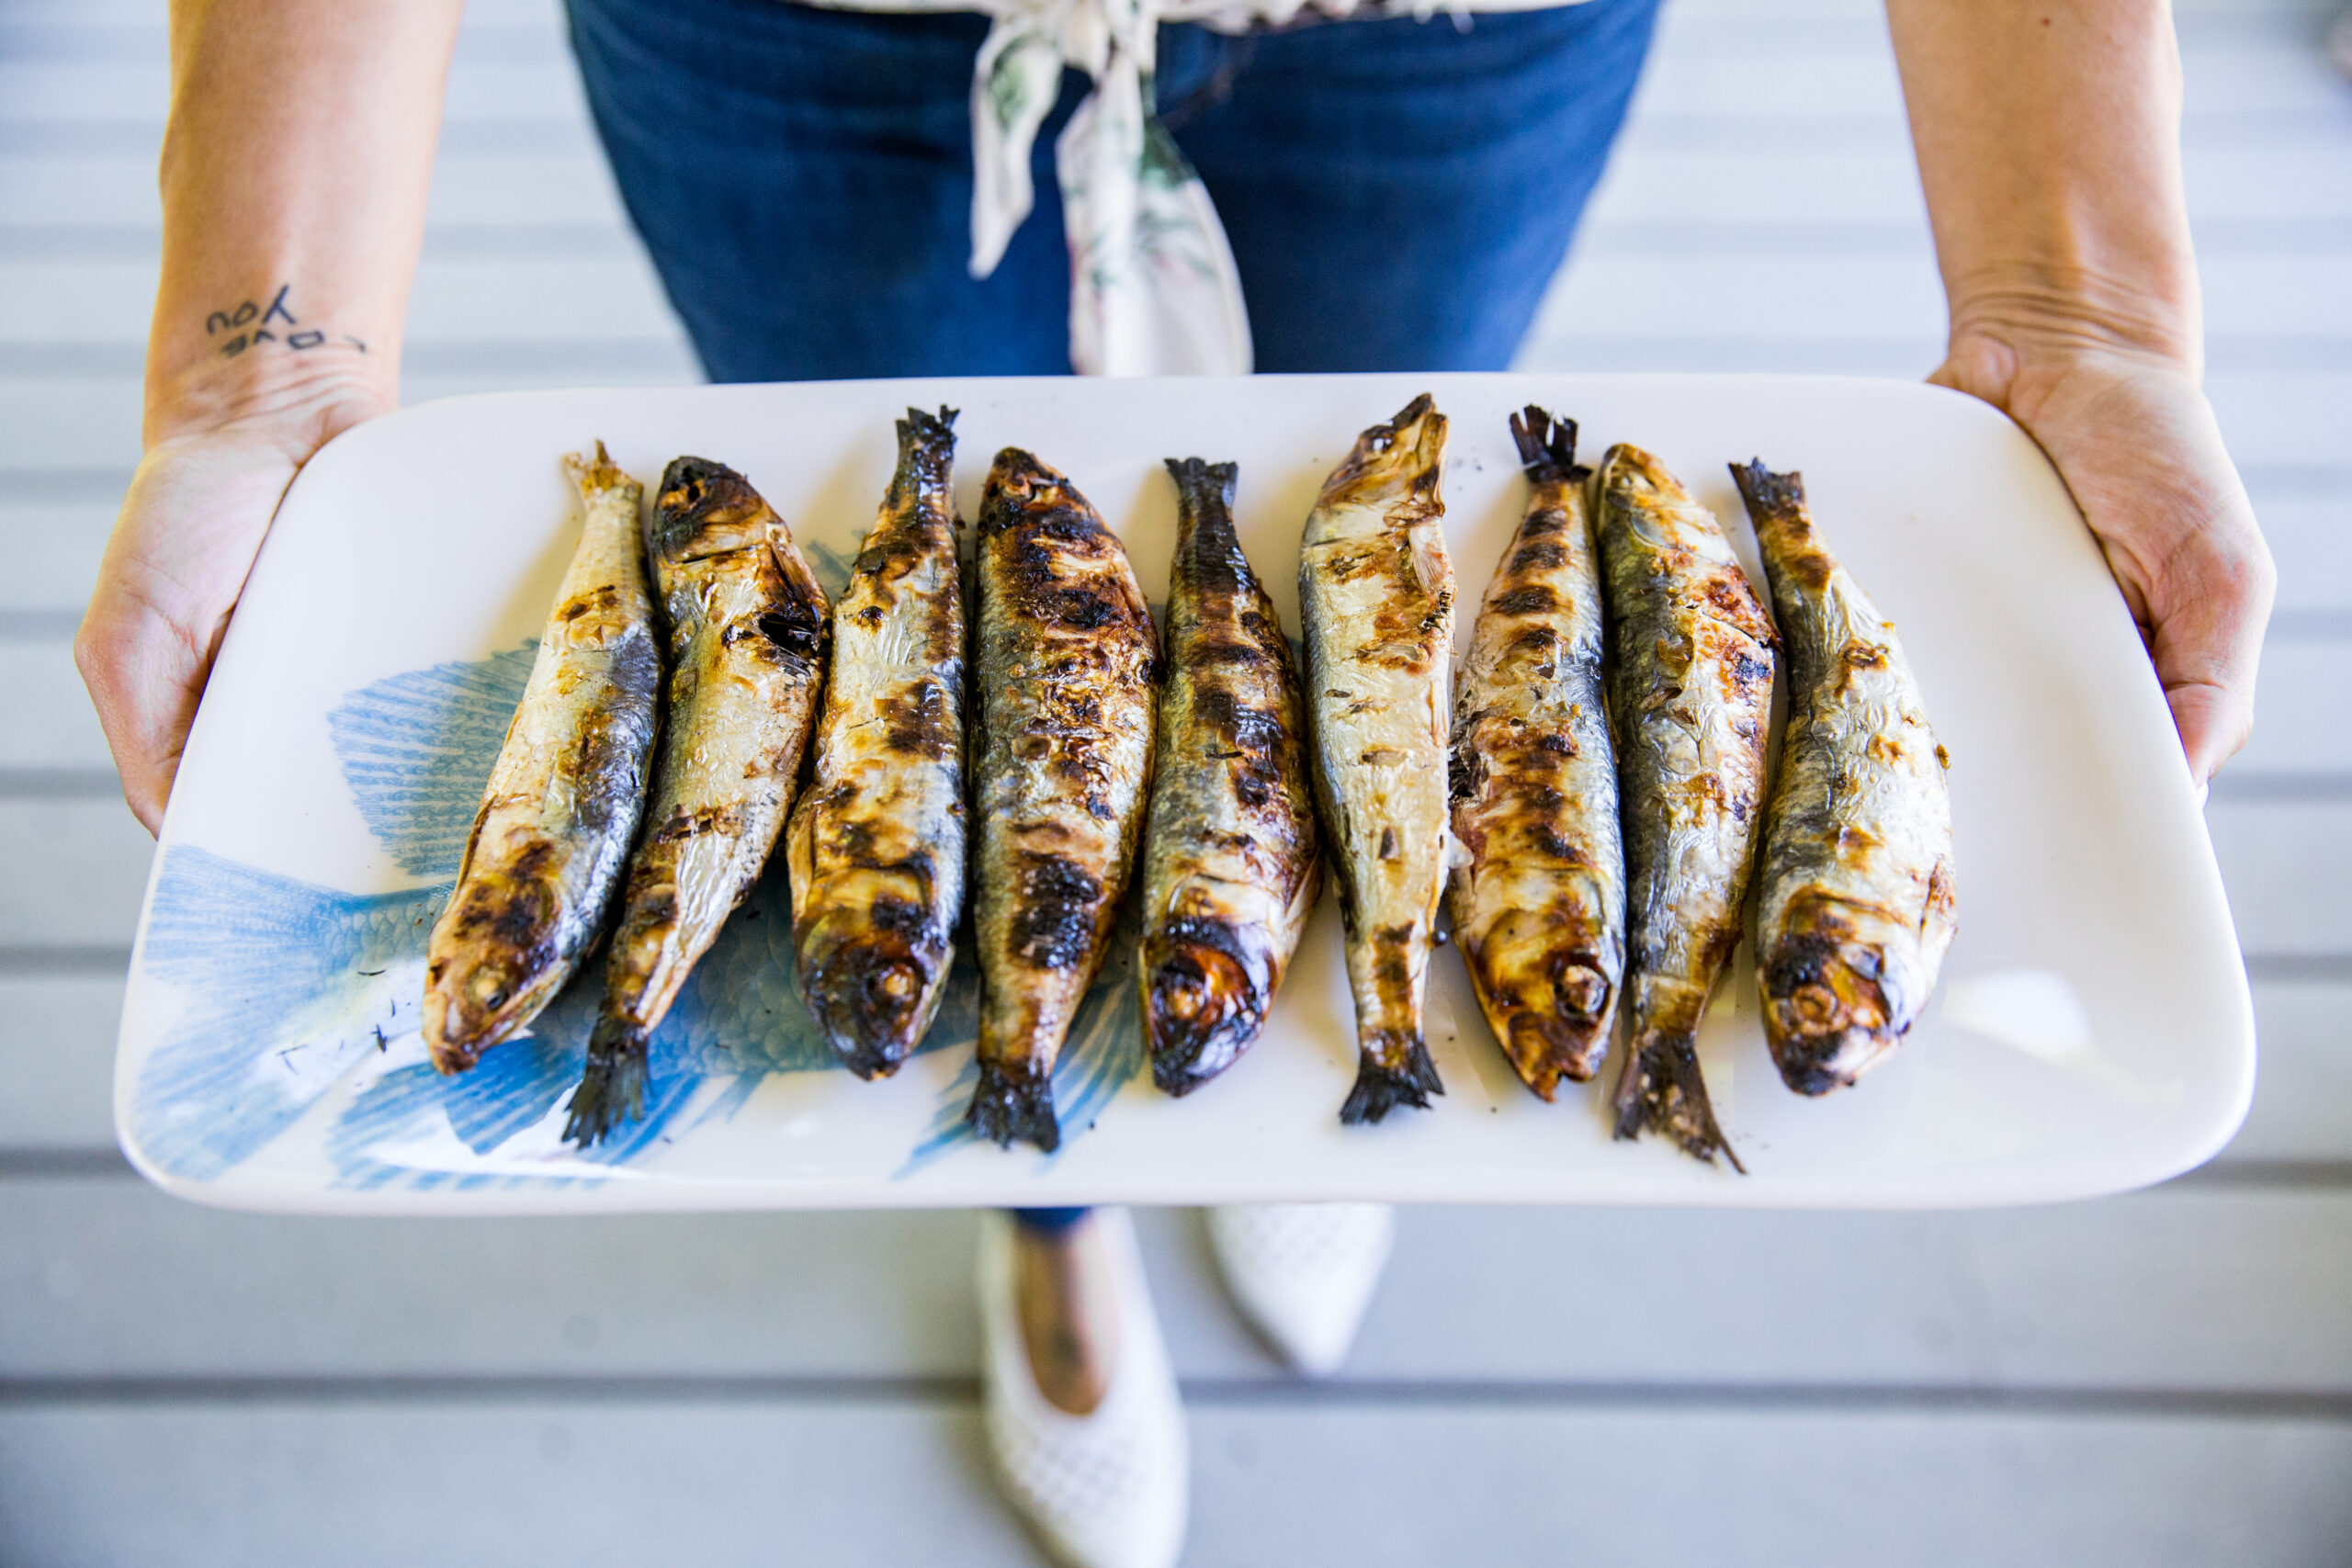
x=1691 y=693
x=1068 y=668
x=1375 y=594
x=564 y=797
x=1230 y=870
x=746 y=625
x=1539 y=907
x=876 y=846
x=1857 y=900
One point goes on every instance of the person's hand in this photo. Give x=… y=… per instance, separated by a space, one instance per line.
x=2133 y=437
x=193 y=519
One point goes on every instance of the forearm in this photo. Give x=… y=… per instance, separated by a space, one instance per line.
x=294 y=175
x=2048 y=142
x=2048 y=134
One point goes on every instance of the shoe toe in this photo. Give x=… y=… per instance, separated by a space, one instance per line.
x=1104 y=1490
x=1303 y=1274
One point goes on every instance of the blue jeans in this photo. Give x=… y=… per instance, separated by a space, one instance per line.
x=1398 y=192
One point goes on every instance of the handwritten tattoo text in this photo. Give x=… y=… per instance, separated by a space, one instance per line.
x=251 y=323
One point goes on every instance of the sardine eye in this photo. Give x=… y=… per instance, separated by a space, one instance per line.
x=1186 y=995
x=1582 y=992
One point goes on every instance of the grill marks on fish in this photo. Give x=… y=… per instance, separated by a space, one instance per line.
x=1230 y=870
x=746 y=628
x=876 y=846
x=1539 y=907
x=1068 y=668
x=1857 y=901
x=1691 y=693
x=563 y=798
x=1377 y=604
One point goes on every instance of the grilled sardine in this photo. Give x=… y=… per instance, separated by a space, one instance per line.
x=746 y=623
x=1067 y=675
x=1230 y=870
x=1691 y=693
x=1857 y=901
x=1375 y=595
x=565 y=796
x=1538 y=910
x=875 y=846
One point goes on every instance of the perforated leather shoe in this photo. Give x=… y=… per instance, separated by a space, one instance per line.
x=1105 y=1490
x=1303 y=1274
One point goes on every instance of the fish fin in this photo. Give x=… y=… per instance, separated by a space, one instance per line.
x=1380 y=1089
x=1661 y=1090
x=599 y=472
x=1547 y=446
x=1198 y=480
x=926 y=451
x=1006 y=1106
x=1769 y=494
x=933 y=426
x=612 y=1090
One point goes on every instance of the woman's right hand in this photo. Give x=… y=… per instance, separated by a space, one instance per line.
x=198 y=507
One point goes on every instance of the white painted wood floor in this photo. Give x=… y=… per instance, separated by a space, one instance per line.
x=2163 y=1379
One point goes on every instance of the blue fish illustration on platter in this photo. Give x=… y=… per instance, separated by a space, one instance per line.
x=296 y=994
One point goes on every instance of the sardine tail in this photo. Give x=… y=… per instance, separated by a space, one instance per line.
x=1198 y=480
x=928 y=427
x=1769 y=494
x=1547 y=446
x=597 y=472
x=1380 y=1089
x=612 y=1090
x=926 y=454
x=1007 y=1106
x=1661 y=1090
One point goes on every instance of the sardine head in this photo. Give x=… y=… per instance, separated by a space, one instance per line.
x=704 y=509
x=1827 y=1015
x=868 y=998
x=1021 y=486
x=1394 y=461
x=1204 y=1001
x=1630 y=474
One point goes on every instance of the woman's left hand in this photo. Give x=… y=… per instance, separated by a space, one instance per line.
x=2133 y=437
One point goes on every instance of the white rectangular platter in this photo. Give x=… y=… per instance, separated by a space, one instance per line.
x=2092 y=1033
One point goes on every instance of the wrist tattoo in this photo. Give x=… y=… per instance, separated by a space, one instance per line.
x=250 y=323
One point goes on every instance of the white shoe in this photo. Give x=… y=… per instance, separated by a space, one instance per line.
x=1304 y=1273
x=1105 y=1490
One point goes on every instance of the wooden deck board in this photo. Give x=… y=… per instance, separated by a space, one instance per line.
x=2157 y=1380
x=264 y=1482
x=2192 y=1290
